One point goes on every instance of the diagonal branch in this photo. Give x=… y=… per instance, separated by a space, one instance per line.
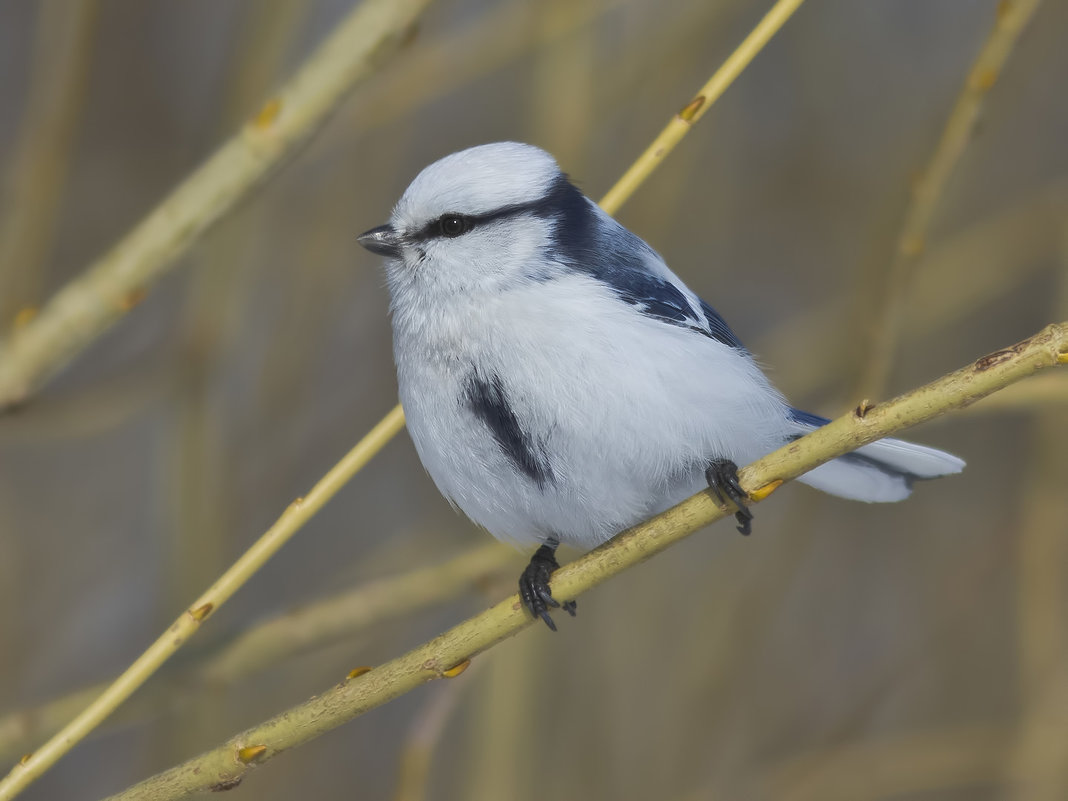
x=339 y=617
x=188 y=623
x=90 y=304
x=226 y=765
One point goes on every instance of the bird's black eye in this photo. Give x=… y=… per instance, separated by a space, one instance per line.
x=454 y=225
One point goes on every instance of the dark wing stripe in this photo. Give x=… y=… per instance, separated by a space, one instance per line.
x=721 y=332
x=489 y=403
x=653 y=297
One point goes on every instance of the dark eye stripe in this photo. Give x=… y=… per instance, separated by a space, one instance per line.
x=433 y=230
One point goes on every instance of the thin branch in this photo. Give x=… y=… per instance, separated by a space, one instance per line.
x=226 y=765
x=294 y=517
x=90 y=304
x=336 y=618
x=266 y=644
x=1012 y=18
x=708 y=94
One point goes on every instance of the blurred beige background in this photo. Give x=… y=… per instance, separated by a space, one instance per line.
x=915 y=651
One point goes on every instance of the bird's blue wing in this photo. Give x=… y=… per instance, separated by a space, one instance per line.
x=588 y=240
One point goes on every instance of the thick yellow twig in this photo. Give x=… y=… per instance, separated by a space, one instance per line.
x=87 y=306
x=225 y=766
x=294 y=517
x=1012 y=18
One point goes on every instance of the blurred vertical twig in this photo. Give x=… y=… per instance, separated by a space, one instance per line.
x=968 y=270
x=500 y=35
x=1042 y=587
x=811 y=774
x=563 y=92
x=13 y=574
x=216 y=294
x=893 y=290
x=500 y=741
x=897 y=767
x=37 y=165
x=427 y=730
x=199 y=479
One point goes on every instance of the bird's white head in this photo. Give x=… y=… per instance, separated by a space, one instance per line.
x=477 y=221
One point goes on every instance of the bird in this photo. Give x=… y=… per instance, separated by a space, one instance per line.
x=561 y=384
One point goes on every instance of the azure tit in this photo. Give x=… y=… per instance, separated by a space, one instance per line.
x=560 y=383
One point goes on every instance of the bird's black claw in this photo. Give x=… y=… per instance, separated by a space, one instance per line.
x=722 y=476
x=547 y=598
x=534 y=586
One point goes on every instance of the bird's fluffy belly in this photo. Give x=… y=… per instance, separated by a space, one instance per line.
x=594 y=487
x=626 y=429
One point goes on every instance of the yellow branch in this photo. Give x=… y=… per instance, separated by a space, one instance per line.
x=270 y=642
x=90 y=304
x=708 y=94
x=224 y=767
x=294 y=517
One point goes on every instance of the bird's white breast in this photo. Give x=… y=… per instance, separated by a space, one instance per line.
x=628 y=409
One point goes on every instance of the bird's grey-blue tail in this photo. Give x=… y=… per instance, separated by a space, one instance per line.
x=880 y=472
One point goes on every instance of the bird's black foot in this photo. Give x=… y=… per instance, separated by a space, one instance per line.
x=722 y=476
x=534 y=586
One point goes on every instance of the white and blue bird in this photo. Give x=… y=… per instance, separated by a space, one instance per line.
x=561 y=383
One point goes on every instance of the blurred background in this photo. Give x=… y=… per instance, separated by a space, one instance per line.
x=844 y=651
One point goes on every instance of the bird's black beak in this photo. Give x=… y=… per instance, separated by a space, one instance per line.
x=382 y=240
